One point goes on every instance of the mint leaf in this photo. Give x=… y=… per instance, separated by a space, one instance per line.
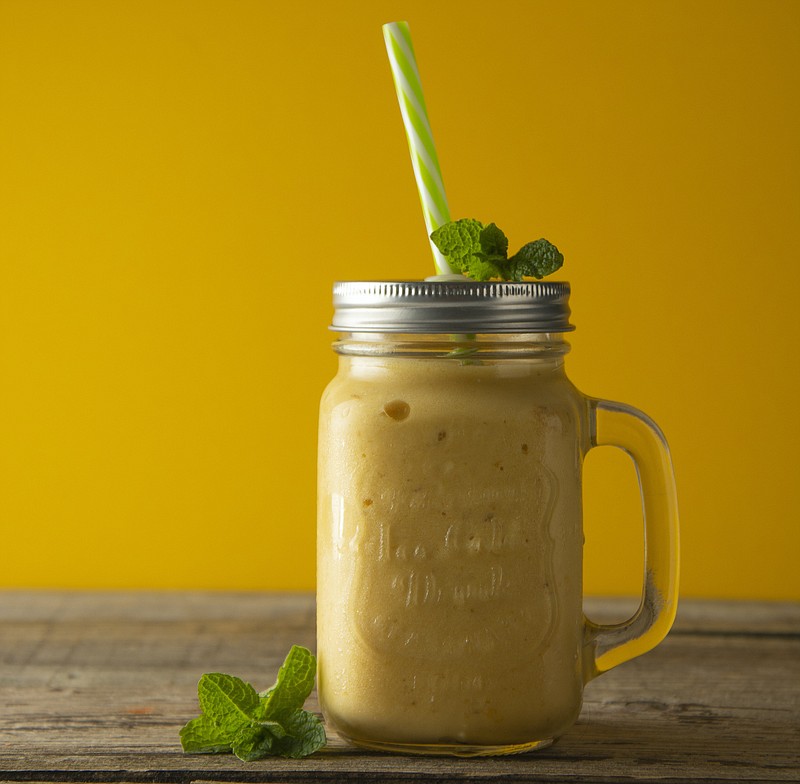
x=294 y=684
x=305 y=735
x=236 y=718
x=472 y=249
x=458 y=240
x=481 y=252
x=493 y=242
x=480 y=268
x=228 y=701
x=536 y=259
x=252 y=743
x=274 y=728
x=202 y=736
x=462 y=243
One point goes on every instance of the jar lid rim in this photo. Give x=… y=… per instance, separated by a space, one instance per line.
x=448 y=306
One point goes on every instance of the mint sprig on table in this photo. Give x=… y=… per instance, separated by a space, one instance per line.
x=481 y=252
x=236 y=718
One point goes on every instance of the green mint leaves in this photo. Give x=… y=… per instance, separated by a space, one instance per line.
x=535 y=260
x=237 y=718
x=481 y=252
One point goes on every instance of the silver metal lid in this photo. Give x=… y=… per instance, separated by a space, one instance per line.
x=450 y=306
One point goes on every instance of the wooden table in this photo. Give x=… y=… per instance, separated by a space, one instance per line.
x=95 y=686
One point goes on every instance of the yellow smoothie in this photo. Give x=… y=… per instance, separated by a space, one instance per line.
x=450 y=545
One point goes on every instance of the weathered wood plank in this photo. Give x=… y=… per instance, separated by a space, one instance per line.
x=94 y=687
x=66 y=606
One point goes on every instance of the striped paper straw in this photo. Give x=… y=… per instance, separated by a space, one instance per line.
x=418 y=132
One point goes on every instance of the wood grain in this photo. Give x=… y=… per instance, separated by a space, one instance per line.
x=95 y=686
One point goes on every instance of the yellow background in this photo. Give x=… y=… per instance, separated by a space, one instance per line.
x=181 y=183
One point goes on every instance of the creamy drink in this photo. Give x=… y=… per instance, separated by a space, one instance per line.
x=450 y=542
x=450 y=550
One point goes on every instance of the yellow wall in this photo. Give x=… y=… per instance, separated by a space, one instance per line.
x=181 y=183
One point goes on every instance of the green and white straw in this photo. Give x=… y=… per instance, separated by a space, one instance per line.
x=418 y=131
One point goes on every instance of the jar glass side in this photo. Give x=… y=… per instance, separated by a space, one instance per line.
x=450 y=543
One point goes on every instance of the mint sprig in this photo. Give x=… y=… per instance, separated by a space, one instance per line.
x=481 y=252
x=236 y=718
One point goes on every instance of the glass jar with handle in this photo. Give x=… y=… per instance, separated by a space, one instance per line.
x=451 y=444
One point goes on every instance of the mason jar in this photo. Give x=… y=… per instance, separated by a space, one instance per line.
x=449 y=596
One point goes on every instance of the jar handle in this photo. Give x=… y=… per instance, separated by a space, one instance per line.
x=606 y=646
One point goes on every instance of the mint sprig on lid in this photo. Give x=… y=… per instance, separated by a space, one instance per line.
x=481 y=252
x=236 y=718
